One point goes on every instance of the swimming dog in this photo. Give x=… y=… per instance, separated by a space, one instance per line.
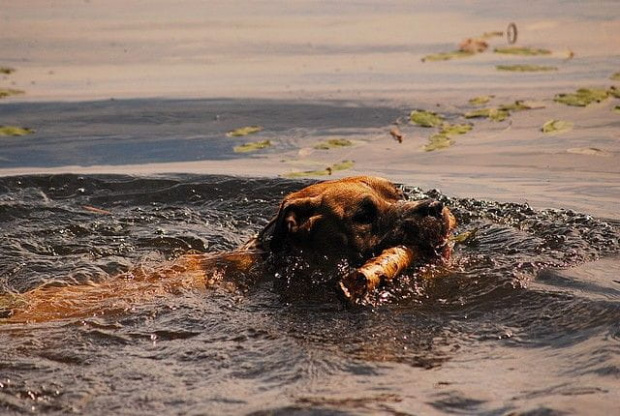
x=363 y=225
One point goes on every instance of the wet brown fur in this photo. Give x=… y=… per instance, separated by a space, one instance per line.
x=350 y=219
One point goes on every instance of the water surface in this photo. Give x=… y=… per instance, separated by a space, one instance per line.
x=525 y=321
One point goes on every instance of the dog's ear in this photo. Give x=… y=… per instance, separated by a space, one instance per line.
x=294 y=221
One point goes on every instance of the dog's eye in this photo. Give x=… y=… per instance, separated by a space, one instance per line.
x=366 y=213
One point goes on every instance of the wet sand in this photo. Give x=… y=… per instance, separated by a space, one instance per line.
x=95 y=49
x=179 y=58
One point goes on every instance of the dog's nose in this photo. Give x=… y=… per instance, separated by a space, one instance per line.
x=430 y=207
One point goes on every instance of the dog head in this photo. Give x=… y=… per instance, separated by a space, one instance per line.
x=355 y=219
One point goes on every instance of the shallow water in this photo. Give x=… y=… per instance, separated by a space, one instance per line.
x=525 y=321
x=509 y=161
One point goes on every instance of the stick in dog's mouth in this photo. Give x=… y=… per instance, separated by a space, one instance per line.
x=383 y=268
x=390 y=263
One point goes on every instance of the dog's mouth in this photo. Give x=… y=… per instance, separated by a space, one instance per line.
x=423 y=234
x=424 y=226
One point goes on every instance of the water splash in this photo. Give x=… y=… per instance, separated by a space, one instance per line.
x=515 y=287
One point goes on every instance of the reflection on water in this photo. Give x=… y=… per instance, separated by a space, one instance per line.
x=525 y=321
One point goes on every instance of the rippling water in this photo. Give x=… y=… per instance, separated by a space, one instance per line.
x=526 y=320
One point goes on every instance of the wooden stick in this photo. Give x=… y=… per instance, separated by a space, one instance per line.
x=383 y=268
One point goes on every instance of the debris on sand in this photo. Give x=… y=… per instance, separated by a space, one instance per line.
x=396 y=134
x=512 y=33
x=467 y=47
x=473 y=45
x=556 y=126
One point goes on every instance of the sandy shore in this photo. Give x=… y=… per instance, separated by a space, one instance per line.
x=265 y=57
x=115 y=49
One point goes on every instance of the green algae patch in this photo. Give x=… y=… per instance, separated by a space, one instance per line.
x=502 y=112
x=5 y=70
x=343 y=165
x=252 y=147
x=617 y=109
x=480 y=113
x=306 y=173
x=582 y=97
x=4 y=92
x=556 y=126
x=437 y=142
x=15 y=131
x=244 y=131
x=481 y=100
x=333 y=144
x=615 y=77
x=521 y=51
x=614 y=92
x=455 y=129
x=526 y=68
x=447 y=56
x=425 y=118
x=443 y=139
x=493 y=114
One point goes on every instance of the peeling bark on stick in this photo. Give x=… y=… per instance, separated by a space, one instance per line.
x=381 y=269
